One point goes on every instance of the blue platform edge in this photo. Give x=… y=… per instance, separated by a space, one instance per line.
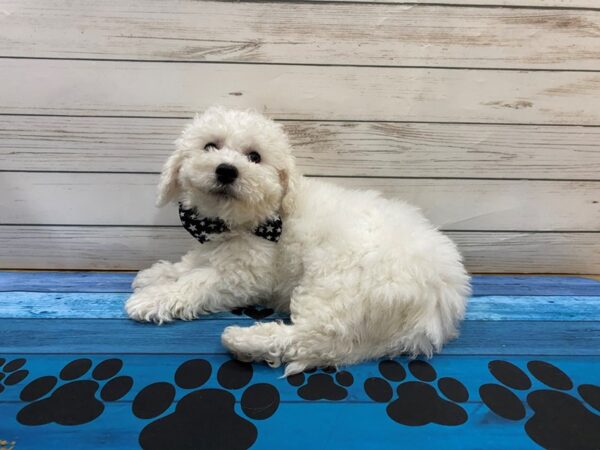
x=50 y=319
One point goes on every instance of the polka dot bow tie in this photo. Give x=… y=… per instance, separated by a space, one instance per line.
x=203 y=227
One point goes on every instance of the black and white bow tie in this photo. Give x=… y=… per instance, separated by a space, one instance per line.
x=202 y=227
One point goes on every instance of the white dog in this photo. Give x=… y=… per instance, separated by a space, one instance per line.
x=361 y=276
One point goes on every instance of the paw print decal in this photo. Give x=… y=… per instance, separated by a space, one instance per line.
x=11 y=372
x=322 y=385
x=73 y=402
x=418 y=402
x=560 y=420
x=204 y=418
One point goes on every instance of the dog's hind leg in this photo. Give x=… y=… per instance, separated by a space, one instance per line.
x=276 y=343
x=316 y=337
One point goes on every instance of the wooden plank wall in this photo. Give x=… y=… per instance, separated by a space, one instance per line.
x=485 y=113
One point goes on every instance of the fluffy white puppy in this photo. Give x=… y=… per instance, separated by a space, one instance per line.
x=361 y=276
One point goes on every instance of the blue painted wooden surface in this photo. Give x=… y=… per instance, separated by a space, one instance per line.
x=471 y=370
x=121 y=282
x=203 y=336
x=354 y=422
x=51 y=319
x=108 y=305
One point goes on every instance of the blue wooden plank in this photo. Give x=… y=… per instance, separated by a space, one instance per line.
x=534 y=285
x=83 y=305
x=66 y=281
x=110 y=306
x=203 y=336
x=352 y=422
x=549 y=308
x=121 y=282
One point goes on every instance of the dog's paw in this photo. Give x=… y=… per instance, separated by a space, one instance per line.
x=160 y=273
x=233 y=338
x=158 y=304
x=145 y=306
x=254 y=343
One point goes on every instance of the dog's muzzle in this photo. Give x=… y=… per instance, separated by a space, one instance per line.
x=226 y=173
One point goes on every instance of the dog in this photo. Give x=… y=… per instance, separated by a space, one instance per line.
x=361 y=276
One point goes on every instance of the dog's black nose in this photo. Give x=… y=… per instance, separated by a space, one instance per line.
x=226 y=173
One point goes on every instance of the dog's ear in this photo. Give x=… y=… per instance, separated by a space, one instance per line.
x=289 y=179
x=168 y=186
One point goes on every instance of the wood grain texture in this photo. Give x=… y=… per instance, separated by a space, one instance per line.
x=134 y=248
x=341 y=93
x=452 y=204
x=534 y=308
x=321 y=148
x=530 y=252
x=42 y=336
x=103 y=305
x=303 y=33
x=70 y=282
x=488 y=3
x=120 y=282
x=531 y=285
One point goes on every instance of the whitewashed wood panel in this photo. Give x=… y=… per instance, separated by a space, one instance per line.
x=322 y=148
x=299 y=92
x=587 y=4
x=89 y=248
x=530 y=252
x=110 y=248
x=306 y=33
x=454 y=204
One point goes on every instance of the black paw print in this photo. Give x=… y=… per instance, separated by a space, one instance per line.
x=204 y=418
x=559 y=420
x=256 y=313
x=75 y=402
x=322 y=385
x=418 y=402
x=11 y=372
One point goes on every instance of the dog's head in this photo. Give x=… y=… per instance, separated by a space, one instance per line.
x=236 y=165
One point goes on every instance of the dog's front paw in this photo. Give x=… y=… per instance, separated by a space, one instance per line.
x=146 y=305
x=158 y=304
x=160 y=273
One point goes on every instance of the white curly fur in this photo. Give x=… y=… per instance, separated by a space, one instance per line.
x=361 y=276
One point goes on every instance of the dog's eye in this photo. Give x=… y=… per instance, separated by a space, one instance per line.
x=211 y=146
x=254 y=157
